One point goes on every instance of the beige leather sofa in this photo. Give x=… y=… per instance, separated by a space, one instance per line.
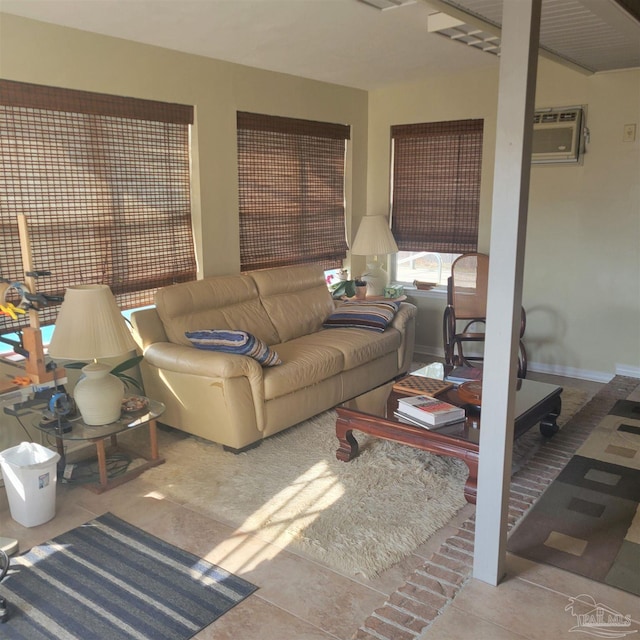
x=233 y=400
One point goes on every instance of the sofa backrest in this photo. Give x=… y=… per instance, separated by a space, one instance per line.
x=219 y=302
x=295 y=298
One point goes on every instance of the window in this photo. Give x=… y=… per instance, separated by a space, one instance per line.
x=435 y=196
x=291 y=191
x=105 y=184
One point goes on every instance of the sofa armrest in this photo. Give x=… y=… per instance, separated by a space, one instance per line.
x=200 y=362
x=406 y=313
x=210 y=364
x=405 y=322
x=147 y=328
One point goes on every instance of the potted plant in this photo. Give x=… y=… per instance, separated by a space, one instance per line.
x=361 y=288
x=343 y=288
x=356 y=288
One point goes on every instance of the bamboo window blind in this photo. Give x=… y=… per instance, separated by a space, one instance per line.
x=436 y=185
x=291 y=191
x=105 y=184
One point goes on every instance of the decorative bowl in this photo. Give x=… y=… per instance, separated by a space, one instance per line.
x=424 y=286
x=471 y=393
x=131 y=404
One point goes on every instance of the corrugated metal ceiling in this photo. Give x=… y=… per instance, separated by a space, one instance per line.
x=598 y=35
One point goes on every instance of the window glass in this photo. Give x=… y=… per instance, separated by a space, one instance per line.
x=423 y=266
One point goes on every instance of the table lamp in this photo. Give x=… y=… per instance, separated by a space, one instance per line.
x=374 y=238
x=90 y=326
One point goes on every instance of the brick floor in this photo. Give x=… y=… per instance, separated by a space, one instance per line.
x=429 y=589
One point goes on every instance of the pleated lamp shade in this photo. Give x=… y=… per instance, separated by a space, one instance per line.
x=90 y=326
x=374 y=238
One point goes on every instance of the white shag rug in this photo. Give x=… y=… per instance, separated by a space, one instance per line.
x=358 y=517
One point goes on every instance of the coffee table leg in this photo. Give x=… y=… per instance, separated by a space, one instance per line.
x=548 y=425
x=471 y=486
x=348 y=448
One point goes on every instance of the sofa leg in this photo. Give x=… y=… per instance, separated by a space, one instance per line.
x=253 y=445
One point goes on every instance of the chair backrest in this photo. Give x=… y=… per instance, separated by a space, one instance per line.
x=467 y=288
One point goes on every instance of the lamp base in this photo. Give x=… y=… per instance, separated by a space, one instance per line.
x=99 y=395
x=377 y=279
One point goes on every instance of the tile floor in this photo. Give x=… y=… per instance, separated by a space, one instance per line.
x=531 y=601
x=299 y=599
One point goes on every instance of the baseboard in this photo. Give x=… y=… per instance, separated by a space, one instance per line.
x=570 y=372
x=626 y=370
x=556 y=370
x=423 y=350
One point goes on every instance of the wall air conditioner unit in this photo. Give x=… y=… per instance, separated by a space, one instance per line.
x=558 y=135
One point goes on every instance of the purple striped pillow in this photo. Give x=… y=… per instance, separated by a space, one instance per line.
x=374 y=316
x=238 y=342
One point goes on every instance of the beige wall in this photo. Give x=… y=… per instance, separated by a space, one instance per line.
x=582 y=272
x=45 y=54
x=582 y=269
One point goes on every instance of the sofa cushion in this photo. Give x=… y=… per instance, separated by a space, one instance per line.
x=222 y=302
x=358 y=346
x=295 y=298
x=374 y=316
x=305 y=363
x=238 y=342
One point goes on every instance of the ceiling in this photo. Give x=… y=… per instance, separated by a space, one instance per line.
x=346 y=42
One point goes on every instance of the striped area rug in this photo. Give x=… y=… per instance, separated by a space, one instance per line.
x=108 y=579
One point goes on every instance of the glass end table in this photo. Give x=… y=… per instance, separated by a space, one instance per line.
x=74 y=429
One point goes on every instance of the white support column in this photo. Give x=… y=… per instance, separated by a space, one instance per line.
x=516 y=93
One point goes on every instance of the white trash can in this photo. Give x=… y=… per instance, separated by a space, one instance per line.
x=29 y=473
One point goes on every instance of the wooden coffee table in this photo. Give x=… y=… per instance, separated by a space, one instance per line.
x=372 y=413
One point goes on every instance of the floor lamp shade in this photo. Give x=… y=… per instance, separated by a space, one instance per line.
x=374 y=238
x=90 y=326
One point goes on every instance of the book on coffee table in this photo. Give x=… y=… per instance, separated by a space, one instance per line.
x=460 y=375
x=430 y=411
x=401 y=417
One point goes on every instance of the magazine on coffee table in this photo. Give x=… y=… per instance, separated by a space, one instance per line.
x=460 y=375
x=401 y=417
x=430 y=411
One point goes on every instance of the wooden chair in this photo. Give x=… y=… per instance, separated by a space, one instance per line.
x=465 y=315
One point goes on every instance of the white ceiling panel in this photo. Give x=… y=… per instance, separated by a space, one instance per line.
x=346 y=42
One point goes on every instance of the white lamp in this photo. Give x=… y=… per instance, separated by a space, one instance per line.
x=374 y=238
x=90 y=326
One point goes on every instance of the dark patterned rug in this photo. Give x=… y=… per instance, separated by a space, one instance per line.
x=109 y=579
x=587 y=521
